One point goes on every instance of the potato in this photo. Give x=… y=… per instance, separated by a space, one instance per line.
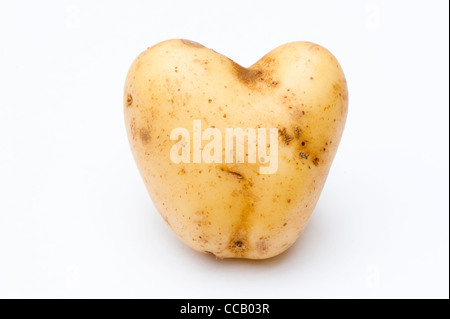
x=180 y=101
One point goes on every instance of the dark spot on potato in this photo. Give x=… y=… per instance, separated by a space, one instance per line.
x=316 y=161
x=145 y=135
x=182 y=172
x=287 y=138
x=224 y=116
x=303 y=143
x=303 y=155
x=311 y=78
x=209 y=101
x=289 y=201
x=129 y=100
x=192 y=43
x=238 y=244
x=232 y=173
x=298 y=132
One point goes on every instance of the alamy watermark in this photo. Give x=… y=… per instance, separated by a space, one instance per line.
x=257 y=146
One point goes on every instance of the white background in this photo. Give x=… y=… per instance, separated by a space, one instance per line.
x=75 y=218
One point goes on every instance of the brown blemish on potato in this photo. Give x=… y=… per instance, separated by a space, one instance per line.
x=238 y=244
x=232 y=173
x=251 y=196
x=316 y=161
x=286 y=137
x=182 y=171
x=262 y=247
x=192 y=43
x=340 y=90
x=297 y=132
x=303 y=155
x=129 y=99
x=245 y=75
x=337 y=88
x=145 y=135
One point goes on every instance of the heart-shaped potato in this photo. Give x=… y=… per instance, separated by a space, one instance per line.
x=242 y=208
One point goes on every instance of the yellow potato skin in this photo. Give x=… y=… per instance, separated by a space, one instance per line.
x=231 y=210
